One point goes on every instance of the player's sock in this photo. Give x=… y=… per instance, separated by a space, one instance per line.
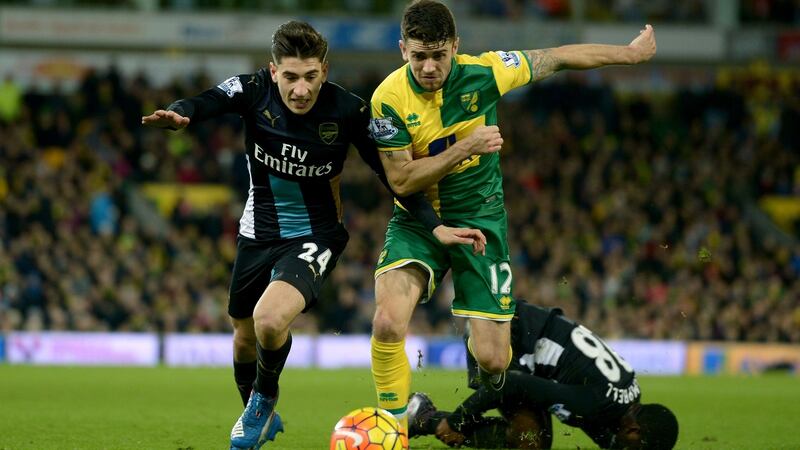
x=270 y=366
x=493 y=380
x=244 y=373
x=392 y=374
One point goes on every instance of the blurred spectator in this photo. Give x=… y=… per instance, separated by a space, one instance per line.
x=770 y=11
x=10 y=100
x=628 y=211
x=653 y=11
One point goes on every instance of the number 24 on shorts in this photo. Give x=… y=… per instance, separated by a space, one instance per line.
x=322 y=259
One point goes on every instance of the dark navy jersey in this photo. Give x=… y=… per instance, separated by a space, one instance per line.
x=548 y=345
x=562 y=367
x=295 y=161
x=567 y=369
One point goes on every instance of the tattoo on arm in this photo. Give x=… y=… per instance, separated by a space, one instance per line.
x=543 y=63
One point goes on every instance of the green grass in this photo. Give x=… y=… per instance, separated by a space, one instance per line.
x=161 y=408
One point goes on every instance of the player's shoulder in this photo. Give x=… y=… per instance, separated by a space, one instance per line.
x=528 y=309
x=534 y=319
x=482 y=59
x=393 y=87
x=238 y=84
x=494 y=58
x=341 y=95
x=343 y=100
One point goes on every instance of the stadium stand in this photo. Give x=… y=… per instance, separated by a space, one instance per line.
x=638 y=215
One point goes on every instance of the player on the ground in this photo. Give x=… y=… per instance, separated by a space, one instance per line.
x=558 y=367
x=298 y=131
x=435 y=122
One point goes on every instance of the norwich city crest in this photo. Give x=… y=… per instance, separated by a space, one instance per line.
x=471 y=102
x=328 y=132
x=382 y=256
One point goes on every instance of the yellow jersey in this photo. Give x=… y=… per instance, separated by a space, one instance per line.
x=406 y=116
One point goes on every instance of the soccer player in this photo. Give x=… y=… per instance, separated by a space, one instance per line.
x=435 y=123
x=298 y=131
x=558 y=367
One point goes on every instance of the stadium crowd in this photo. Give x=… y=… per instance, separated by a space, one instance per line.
x=653 y=11
x=631 y=211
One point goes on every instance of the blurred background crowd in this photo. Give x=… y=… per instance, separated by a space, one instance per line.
x=637 y=214
x=659 y=11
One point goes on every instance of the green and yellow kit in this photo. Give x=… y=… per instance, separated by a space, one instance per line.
x=405 y=116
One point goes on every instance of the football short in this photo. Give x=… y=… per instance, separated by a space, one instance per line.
x=303 y=262
x=482 y=282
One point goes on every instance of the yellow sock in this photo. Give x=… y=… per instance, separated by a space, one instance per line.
x=392 y=374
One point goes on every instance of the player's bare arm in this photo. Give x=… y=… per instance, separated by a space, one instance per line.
x=545 y=62
x=165 y=119
x=407 y=175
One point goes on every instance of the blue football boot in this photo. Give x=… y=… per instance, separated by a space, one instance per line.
x=258 y=423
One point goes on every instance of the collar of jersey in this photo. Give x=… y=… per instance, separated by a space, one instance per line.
x=454 y=69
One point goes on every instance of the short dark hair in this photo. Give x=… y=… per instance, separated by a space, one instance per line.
x=300 y=40
x=428 y=21
x=658 y=427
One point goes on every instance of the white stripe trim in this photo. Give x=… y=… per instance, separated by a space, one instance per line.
x=247 y=226
x=478 y=315
x=547 y=352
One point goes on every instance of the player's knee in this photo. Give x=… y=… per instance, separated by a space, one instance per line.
x=492 y=362
x=386 y=327
x=269 y=325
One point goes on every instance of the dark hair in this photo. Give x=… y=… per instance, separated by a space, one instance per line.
x=300 y=40
x=658 y=427
x=428 y=21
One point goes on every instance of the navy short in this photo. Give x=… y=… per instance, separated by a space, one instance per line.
x=303 y=262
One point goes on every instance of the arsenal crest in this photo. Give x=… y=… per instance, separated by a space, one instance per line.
x=328 y=132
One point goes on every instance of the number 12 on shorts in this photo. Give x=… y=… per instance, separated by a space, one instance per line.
x=322 y=259
x=500 y=270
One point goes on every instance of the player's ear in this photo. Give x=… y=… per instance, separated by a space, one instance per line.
x=324 y=71
x=455 y=46
x=273 y=71
x=402 y=46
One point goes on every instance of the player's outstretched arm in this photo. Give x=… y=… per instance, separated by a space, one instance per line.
x=165 y=119
x=545 y=62
x=407 y=175
x=232 y=95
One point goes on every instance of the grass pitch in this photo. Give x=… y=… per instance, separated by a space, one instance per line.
x=180 y=409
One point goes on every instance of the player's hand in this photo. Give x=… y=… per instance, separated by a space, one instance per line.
x=165 y=119
x=644 y=46
x=469 y=236
x=447 y=435
x=484 y=140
